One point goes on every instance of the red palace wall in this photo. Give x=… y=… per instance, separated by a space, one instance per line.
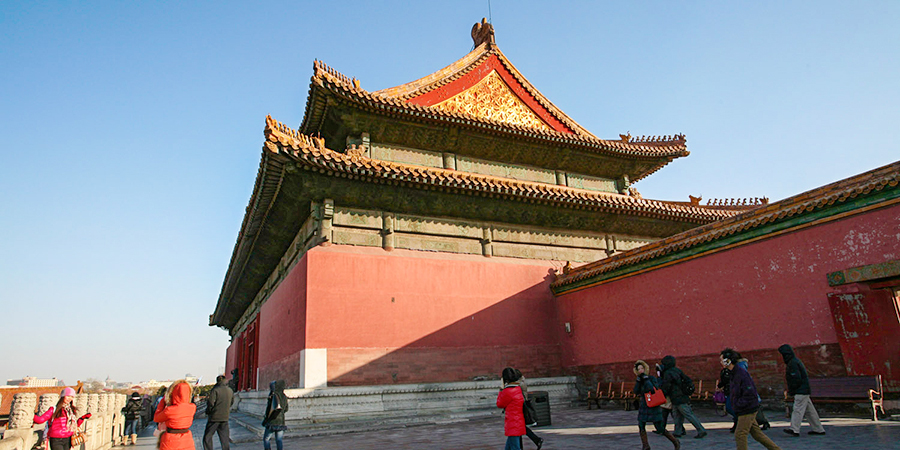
x=230 y=359
x=407 y=316
x=753 y=298
x=282 y=328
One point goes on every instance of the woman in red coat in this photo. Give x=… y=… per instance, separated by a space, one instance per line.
x=511 y=400
x=176 y=412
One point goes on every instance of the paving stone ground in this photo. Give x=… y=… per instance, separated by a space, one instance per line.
x=578 y=428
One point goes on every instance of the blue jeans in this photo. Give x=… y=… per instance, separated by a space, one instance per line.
x=131 y=426
x=512 y=443
x=279 y=439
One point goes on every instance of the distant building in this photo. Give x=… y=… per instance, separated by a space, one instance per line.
x=154 y=384
x=34 y=382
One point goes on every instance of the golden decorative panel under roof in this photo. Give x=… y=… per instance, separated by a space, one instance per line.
x=492 y=99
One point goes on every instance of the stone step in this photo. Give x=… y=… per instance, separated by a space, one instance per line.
x=253 y=429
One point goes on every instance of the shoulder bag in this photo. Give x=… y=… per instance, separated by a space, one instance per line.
x=78 y=438
x=528 y=409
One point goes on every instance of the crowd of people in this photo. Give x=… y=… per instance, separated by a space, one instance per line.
x=742 y=401
x=174 y=410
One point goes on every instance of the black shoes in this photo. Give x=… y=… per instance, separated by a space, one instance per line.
x=765 y=426
x=700 y=436
x=791 y=432
x=816 y=433
x=540 y=443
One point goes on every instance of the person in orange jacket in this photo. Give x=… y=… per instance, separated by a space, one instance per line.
x=175 y=414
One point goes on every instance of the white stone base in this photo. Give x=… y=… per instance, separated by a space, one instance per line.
x=361 y=403
x=313 y=368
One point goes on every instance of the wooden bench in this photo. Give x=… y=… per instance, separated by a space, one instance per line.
x=613 y=391
x=594 y=396
x=844 y=390
x=619 y=391
x=700 y=394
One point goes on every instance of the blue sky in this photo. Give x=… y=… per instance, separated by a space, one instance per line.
x=130 y=132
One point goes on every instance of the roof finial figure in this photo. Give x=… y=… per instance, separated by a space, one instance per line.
x=483 y=32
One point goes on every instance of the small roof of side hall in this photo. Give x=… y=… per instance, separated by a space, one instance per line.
x=875 y=188
x=484 y=91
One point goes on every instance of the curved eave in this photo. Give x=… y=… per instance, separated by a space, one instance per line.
x=312 y=155
x=265 y=191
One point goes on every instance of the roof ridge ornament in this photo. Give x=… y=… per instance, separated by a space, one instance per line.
x=677 y=138
x=483 y=32
x=319 y=66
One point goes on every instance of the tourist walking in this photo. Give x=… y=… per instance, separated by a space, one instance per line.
x=537 y=440
x=175 y=415
x=675 y=384
x=511 y=401
x=146 y=410
x=64 y=421
x=665 y=408
x=724 y=385
x=218 y=407
x=798 y=385
x=745 y=403
x=276 y=406
x=760 y=416
x=160 y=395
x=132 y=413
x=645 y=384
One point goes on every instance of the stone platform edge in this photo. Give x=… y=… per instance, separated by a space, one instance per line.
x=355 y=408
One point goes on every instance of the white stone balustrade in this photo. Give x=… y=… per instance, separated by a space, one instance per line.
x=21 y=412
x=104 y=429
x=46 y=402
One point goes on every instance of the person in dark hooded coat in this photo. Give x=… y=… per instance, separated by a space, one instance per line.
x=672 y=386
x=798 y=385
x=276 y=406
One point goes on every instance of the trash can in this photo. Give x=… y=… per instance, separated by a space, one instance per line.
x=541 y=402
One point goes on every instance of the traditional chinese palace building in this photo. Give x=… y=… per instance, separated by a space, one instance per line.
x=422 y=233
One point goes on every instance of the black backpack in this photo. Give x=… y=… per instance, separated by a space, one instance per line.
x=687 y=385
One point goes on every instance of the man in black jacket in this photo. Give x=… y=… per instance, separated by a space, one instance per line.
x=798 y=385
x=744 y=402
x=218 y=407
x=673 y=381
